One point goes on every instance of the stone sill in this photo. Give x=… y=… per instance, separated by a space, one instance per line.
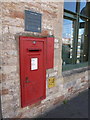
x=75 y=71
x=33 y=35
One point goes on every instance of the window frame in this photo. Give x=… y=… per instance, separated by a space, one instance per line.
x=75 y=17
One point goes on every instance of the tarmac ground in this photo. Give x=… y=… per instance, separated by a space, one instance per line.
x=76 y=107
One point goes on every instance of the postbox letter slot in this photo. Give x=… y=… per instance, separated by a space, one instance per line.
x=34 y=50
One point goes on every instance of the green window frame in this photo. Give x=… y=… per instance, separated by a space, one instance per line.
x=75 y=16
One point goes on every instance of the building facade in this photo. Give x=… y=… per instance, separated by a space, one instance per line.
x=70 y=28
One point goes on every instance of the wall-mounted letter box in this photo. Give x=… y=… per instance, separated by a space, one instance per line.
x=33 y=65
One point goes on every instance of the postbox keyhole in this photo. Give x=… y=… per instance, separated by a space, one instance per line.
x=27 y=81
x=26 y=78
x=34 y=42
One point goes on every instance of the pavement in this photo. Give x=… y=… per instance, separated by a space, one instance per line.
x=77 y=107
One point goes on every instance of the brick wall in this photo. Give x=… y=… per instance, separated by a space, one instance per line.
x=12 y=19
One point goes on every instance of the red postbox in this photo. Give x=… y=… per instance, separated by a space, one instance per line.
x=33 y=65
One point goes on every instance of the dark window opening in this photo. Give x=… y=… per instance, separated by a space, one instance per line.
x=75 y=47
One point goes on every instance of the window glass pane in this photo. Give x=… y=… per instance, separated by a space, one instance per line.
x=71 y=6
x=84 y=5
x=67 y=41
x=82 y=49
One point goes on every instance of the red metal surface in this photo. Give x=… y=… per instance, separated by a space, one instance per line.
x=33 y=82
x=50 y=53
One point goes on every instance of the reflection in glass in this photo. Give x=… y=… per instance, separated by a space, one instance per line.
x=71 y=6
x=82 y=49
x=67 y=41
x=84 y=7
x=83 y=4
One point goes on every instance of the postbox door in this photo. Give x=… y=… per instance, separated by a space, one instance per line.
x=33 y=79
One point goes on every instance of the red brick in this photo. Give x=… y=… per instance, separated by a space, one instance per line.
x=45 y=33
x=4 y=91
x=16 y=14
x=2 y=77
x=70 y=89
x=51 y=13
x=36 y=104
x=59 y=99
x=83 y=79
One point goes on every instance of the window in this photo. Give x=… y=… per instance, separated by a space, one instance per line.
x=67 y=41
x=70 y=5
x=83 y=5
x=75 y=47
x=83 y=41
x=84 y=8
